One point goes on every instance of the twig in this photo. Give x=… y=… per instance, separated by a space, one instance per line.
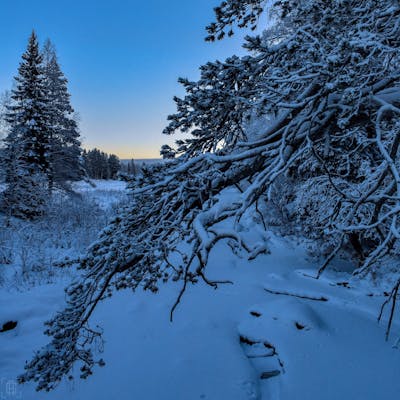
x=392 y=298
x=297 y=295
x=182 y=291
x=213 y=284
x=331 y=256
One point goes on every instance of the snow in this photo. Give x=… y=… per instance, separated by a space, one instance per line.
x=97 y=185
x=143 y=161
x=106 y=193
x=30 y=250
x=221 y=341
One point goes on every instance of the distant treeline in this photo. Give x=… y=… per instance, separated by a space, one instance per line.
x=130 y=167
x=100 y=165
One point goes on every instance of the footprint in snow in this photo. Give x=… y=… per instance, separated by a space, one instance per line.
x=266 y=328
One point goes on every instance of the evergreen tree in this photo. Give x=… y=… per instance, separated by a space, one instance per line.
x=65 y=151
x=100 y=165
x=114 y=166
x=5 y=103
x=28 y=114
x=94 y=164
x=27 y=145
x=104 y=167
x=132 y=170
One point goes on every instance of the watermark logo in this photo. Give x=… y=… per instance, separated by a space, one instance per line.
x=9 y=389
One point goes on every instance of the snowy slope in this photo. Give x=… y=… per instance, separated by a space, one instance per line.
x=222 y=341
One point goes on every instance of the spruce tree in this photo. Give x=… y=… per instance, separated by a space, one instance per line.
x=100 y=165
x=114 y=165
x=27 y=144
x=5 y=102
x=65 y=150
x=29 y=113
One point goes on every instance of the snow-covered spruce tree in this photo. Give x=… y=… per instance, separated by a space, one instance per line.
x=327 y=77
x=100 y=165
x=114 y=165
x=65 y=150
x=5 y=102
x=27 y=143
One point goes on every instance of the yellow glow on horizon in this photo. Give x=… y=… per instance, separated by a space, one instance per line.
x=128 y=147
x=126 y=153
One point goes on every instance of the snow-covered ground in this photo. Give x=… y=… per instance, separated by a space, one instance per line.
x=254 y=339
x=29 y=250
x=105 y=193
x=142 y=161
x=99 y=185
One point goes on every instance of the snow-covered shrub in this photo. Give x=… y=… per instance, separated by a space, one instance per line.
x=31 y=250
x=25 y=197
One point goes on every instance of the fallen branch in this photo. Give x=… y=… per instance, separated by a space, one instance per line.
x=322 y=298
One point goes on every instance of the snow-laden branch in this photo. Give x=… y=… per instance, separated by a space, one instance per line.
x=306 y=124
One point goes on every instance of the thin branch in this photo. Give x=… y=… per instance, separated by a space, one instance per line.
x=321 y=298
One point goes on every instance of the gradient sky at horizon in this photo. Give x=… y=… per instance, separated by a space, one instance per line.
x=122 y=60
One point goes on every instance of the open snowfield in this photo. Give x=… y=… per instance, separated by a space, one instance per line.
x=275 y=333
x=105 y=193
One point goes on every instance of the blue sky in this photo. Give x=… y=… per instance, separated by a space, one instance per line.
x=122 y=59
